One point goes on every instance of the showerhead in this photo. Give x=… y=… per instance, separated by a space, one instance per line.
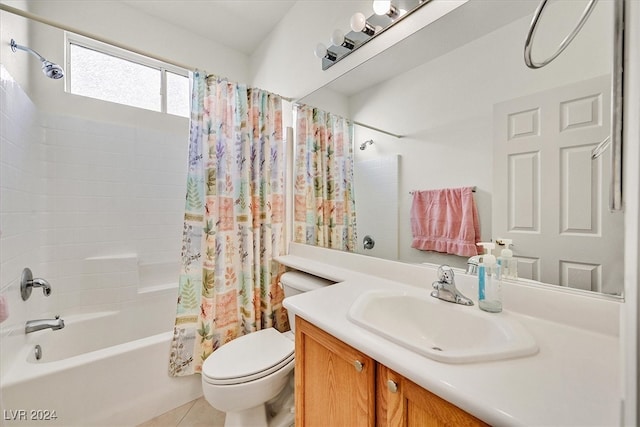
x=50 y=69
x=364 y=144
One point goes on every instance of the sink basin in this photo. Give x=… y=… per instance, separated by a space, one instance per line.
x=439 y=330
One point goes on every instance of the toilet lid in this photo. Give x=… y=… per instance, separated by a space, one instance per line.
x=248 y=358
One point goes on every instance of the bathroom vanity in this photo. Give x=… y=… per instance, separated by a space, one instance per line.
x=349 y=375
x=363 y=392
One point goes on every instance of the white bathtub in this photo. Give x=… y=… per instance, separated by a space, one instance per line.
x=106 y=368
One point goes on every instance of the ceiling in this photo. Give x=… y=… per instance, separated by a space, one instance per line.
x=238 y=24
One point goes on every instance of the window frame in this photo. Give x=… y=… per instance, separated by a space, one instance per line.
x=127 y=55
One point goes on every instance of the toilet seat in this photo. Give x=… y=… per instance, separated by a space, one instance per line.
x=248 y=358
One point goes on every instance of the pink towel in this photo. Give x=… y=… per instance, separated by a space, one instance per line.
x=445 y=221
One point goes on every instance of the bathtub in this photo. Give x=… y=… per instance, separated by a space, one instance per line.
x=106 y=368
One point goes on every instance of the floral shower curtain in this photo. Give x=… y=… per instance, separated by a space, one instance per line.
x=324 y=209
x=233 y=222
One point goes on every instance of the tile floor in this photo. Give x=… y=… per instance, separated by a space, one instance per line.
x=197 y=413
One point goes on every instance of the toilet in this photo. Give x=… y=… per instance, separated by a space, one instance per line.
x=252 y=376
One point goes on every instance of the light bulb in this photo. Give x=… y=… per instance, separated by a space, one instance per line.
x=358 y=22
x=337 y=37
x=381 y=7
x=320 y=51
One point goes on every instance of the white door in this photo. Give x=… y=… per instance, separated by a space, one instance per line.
x=550 y=196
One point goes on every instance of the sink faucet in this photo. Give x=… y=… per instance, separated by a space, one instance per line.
x=445 y=287
x=472 y=265
x=37 y=325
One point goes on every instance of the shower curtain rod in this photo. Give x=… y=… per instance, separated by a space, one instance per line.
x=377 y=129
x=37 y=18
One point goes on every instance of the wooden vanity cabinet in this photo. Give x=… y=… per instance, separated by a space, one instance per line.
x=401 y=402
x=336 y=385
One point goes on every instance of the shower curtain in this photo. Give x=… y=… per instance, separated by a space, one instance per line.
x=233 y=222
x=324 y=205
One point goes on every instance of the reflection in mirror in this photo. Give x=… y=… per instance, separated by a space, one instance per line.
x=471 y=114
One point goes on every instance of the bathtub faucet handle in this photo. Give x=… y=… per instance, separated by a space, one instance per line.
x=27 y=283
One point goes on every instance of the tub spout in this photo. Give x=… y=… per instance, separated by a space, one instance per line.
x=37 y=325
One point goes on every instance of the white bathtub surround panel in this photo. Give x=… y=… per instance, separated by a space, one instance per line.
x=20 y=148
x=571 y=307
x=121 y=187
x=158 y=274
x=110 y=263
x=158 y=179
x=573 y=380
x=110 y=189
x=376 y=190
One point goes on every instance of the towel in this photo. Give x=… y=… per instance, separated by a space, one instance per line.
x=445 y=221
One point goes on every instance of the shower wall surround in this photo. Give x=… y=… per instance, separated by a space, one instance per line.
x=21 y=148
x=93 y=207
x=376 y=189
x=112 y=191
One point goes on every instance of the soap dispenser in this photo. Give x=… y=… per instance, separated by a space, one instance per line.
x=489 y=281
x=508 y=263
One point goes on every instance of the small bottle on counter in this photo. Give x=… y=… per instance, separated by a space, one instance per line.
x=489 y=281
x=506 y=260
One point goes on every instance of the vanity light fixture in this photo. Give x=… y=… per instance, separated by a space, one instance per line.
x=338 y=39
x=365 y=29
x=359 y=24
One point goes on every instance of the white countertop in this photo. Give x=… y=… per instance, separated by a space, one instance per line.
x=572 y=381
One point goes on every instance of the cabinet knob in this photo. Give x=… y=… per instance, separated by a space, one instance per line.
x=358 y=365
x=392 y=386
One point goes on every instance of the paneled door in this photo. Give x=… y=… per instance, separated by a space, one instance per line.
x=550 y=196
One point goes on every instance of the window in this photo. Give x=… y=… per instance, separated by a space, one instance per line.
x=105 y=72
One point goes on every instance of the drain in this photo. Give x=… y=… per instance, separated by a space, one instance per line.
x=436 y=349
x=37 y=351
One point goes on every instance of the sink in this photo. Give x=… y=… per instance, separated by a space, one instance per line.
x=439 y=330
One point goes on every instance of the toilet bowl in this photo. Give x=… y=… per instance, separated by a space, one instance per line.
x=243 y=375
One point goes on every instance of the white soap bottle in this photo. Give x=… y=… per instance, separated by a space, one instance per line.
x=506 y=260
x=489 y=281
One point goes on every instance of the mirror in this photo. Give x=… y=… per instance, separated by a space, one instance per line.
x=454 y=105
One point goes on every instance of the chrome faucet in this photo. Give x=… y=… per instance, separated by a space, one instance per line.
x=445 y=287
x=37 y=325
x=27 y=283
x=472 y=265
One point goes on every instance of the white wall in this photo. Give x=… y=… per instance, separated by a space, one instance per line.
x=14 y=27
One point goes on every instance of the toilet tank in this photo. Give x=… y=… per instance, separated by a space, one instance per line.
x=297 y=282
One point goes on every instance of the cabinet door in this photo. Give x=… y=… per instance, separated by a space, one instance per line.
x=335 y=384
x=403 y=403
